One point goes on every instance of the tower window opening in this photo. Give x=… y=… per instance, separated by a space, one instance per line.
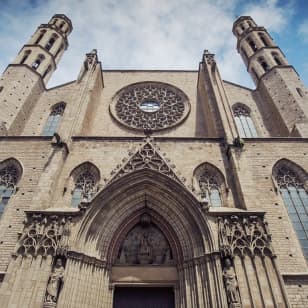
x=51 y=42
x=47 y=71
x=8 y=180
x=243 y=121
x=250 y=23
x=242 y=27
x=61 y=25
x=38 y=62
x=1 y=88
x=263 y=39
x=25 y=57
x=54 y=119
x=295 y=199
x=54 y=21
x=40 y=37
x=276 y=58
x=264 y=64
x=252 y=44
x=300 y=92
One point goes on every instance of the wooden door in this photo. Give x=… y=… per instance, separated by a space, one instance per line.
x=143 y=297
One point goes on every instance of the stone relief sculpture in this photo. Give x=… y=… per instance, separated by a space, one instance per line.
x=54 y=285
x=231 y=285
x=145 y=244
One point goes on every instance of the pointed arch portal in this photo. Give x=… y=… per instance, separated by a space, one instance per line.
x=148 y=230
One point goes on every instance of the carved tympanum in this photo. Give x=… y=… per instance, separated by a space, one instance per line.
x=246 y=233
x=150 y=106
x=44 y=235
x=145 y=244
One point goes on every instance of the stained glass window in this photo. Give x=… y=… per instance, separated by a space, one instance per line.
x=243 y=121
x=84 y=188
x=296 y=201
x=54 y=119
x=210 y=189
x=8 y=181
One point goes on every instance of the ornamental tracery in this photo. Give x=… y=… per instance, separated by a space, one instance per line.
x=286 y=177
x=86 y=182
x=44 y=235
x=147 y=157
x=9 y=177
x=244 y=233
x=239 y=110
x=150 y=106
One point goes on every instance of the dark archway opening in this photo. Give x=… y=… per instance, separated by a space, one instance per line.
x=143 y=297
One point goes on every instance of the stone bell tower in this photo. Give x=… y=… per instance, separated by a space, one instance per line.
x=24 y=79
x=281 y=91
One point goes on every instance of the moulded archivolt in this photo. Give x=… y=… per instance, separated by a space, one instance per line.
x=171 y=106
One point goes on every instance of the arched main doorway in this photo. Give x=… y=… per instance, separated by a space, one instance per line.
x=148 y=238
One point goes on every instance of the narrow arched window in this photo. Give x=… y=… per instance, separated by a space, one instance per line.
x=40 y=36
x=9 y=176
x=276 y=58
x=51 y=42
x=295 y=199
x=54 y=21
x=264 y=64
x=47 y=71
x=61 y=25
x=263 y=39
x=244 y=123
x=38 y=62
x=209 y=187
x=250 y=23
x=25 y=57
x=252 y=44
x=84 y=188
x=54 y=119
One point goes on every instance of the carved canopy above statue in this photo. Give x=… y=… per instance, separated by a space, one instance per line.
x=145 y=244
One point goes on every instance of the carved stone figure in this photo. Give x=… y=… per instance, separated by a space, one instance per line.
x=230 y=283
x=145 y=244
x=55 y=282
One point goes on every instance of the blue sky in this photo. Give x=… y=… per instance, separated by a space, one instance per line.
x=157 y=34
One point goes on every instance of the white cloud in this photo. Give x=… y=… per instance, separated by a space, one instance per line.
x=303 y=30
x=143 y=34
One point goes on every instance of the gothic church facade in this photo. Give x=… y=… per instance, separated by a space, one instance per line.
x=171 y=189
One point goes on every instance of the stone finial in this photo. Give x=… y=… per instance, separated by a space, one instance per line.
x=208 y=57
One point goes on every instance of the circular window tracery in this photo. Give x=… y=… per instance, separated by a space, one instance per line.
x=150 y=106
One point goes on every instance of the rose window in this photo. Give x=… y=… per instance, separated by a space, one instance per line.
x=150 y=106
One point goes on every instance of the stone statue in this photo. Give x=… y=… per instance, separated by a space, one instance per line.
x=55 y=282
x=230 y=283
